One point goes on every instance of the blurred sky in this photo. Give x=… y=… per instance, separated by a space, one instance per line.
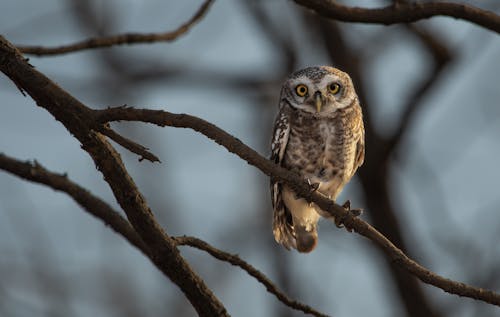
x=447 y=171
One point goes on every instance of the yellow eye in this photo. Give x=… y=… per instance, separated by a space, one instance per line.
x=334 y=88
x=301 y=90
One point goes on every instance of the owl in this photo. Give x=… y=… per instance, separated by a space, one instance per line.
x=319 y=134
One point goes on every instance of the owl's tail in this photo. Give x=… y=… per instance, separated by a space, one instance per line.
x=293 y=236
x=283 y=227
x=305 y=240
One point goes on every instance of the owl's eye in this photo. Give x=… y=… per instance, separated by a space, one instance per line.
x=301 y=90
x=334 y=88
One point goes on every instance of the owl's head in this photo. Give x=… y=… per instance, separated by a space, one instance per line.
x=319 y=90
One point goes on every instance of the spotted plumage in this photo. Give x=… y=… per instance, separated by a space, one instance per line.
x=318 y=133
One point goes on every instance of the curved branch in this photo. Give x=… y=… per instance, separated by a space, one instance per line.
x=301 y=187
x=120 y=39
x=34 y=172
x=404 y=13
x=78 y=120
x=259 y=276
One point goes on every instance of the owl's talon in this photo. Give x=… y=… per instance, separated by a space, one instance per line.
x=314 y=186
x=354 y=212
x=347 y=205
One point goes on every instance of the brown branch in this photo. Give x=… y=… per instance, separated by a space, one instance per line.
x=120 y=39
x=404 y=12
x=129 y=144
x=79 y=121
x=95 y=206
x=259 y=276
x=301 y=187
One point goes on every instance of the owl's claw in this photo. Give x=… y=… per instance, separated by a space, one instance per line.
x=354 y=212
x=314 y=186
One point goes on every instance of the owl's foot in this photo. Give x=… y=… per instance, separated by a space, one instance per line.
x=354 y=212
x=314 y=187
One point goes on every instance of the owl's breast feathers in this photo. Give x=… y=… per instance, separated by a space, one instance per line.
x=325 y=149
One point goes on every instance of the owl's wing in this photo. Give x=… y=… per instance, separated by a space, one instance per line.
x=282 y=221
x=360 y=150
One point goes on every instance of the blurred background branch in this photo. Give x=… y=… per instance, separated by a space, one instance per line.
x=121 y=39
x=404 y=12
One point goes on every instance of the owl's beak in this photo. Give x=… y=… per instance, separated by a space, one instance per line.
x=318 y=99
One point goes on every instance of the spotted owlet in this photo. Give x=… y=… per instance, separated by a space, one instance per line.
x=319 y=134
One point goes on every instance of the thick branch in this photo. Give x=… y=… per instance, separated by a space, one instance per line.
x=120 y=39
x=404 y=13
x=34 y=172
x=78 y=119
x=301 y=187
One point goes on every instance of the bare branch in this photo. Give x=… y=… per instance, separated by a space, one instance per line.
x=78 y=119
x=129 y=144
x=35 y=172
x=259 y=276
x=120 y=39
x=301 y=187
x=404 y=12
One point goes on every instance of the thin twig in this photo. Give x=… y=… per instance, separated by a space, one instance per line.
x=120 y=39
x=129 y=144
x=259 y=276
x=301 y=187
x=403 y=12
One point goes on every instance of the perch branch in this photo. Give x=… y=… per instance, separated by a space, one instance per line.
x=301 y=187
x=403 y=12
x=120 y=39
